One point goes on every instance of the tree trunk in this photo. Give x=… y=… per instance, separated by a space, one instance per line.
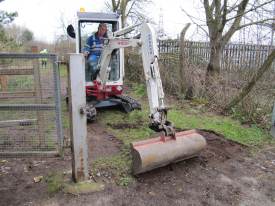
x=123 y=21
x=245 y=91
x=213 y=67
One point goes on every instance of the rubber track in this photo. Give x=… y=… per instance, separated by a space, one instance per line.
x=134 y=103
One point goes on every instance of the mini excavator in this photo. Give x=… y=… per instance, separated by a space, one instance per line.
x=106 y=89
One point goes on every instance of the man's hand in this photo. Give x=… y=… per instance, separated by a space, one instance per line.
x=86 y=53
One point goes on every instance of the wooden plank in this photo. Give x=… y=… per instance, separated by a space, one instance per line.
x=23 y=94
x=251 y=57
x=21 y=71
x=245 y=59
x=29 y=154
x=27 y=107
x=238 y=57
x=258 y=48
x=230 y=57
x=14 y=123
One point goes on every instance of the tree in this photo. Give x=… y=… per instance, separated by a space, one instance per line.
x=20 y=35
x=27 y=35
x=6 y=18
x=128 y=8
x=223 y=20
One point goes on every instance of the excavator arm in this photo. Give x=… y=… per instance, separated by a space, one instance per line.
x=149 y=50
x=158 y=110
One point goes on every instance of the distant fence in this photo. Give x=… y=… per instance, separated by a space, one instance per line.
x=169 y=51
x=234 y=56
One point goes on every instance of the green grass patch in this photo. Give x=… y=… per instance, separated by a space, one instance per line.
x=65 y=115
x=134 y=125
x=17 y=82
x=63 y=71
x=229 y=128
x=118 y=166
x=82 y=187
x=55 y=182
x=139 y=90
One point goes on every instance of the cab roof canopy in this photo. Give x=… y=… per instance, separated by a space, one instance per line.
x=98 y=17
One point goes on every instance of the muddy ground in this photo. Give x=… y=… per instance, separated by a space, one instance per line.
x=225 y=173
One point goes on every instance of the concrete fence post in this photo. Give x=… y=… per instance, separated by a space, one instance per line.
x=78 y=120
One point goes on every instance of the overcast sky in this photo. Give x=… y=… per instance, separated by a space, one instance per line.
x=43 y=16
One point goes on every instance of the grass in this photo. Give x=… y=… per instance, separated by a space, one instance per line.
x=25 y=82
x=118 y=166
x=229 y=128
x=55 y=182
x=64 y=115
x=63 y=70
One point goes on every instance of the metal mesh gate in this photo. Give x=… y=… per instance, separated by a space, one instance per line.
x=30 y=105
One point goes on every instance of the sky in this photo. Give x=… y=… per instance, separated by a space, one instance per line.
x=43 y=17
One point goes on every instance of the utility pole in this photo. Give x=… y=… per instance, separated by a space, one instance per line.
x=160 y=26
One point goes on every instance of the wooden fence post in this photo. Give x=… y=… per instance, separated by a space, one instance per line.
x=182 y=60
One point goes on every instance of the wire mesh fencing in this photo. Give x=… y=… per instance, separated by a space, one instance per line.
x=30 y=105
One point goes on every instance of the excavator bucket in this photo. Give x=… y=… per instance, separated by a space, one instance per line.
x=160 y=151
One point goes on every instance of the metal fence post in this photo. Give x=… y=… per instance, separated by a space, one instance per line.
x=56 y=77
x=38 y=100
x=78 y=120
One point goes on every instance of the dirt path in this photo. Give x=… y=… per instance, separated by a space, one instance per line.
x=224 y=174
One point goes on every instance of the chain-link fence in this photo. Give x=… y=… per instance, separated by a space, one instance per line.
x=30 y=105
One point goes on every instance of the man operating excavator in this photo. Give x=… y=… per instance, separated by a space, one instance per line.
x=92 y=50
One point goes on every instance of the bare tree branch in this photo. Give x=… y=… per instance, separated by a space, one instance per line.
x=131 y=7
x=236 y=23
x=249 y=10
x=192 y=19
x=261 y=22
x=208 y=11
x=224 y=13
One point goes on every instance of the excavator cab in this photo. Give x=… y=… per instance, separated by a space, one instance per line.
x=111 y=95
x=86 y=25
x=87 y=29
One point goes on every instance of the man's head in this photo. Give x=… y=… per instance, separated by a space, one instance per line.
x=102 y=29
